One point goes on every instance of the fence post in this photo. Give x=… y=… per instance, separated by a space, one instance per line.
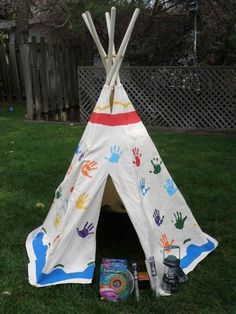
x=26 y=64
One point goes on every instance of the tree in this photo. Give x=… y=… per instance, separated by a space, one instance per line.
x=162 y=35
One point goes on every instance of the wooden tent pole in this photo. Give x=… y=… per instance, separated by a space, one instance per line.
x=116 y=74
x=122 y=46
x=108 y=22
x=89 y=22
x=111 y=32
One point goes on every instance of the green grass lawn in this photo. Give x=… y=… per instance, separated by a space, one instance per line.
x=33 y=160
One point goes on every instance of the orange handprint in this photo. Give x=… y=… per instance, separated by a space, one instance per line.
x=165 y=243
x=87 y=167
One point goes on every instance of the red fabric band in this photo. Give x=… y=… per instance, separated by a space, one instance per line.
x=115 y=119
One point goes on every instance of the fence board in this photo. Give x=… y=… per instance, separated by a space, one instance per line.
x=43 y=76
x=69 y=78
x=52 y=79
x=58 y=76
x=182 y=97
x=35 y=74
x=15 y=81
x=25 y=57
x=6 y=73
x=65 y=76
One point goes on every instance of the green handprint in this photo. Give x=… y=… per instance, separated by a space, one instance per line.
x=179 y=221
x=58 y=193
x=156 y=166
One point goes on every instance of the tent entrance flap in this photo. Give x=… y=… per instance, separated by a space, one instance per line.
x=111 y=198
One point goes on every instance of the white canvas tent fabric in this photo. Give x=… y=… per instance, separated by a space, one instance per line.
x=116 y=144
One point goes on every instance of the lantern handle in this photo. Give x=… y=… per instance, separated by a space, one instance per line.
x=172 y=247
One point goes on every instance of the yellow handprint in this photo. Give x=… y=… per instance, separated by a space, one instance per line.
x=82 y=200
x=57 y=220
x=165 y=243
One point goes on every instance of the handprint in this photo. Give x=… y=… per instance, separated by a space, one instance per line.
x=81 y=156
x=179 y=221
x=87 y=230
x=157 y=217
x=79 y=152
x=137 y=156
x=142 y=186
x=65 y=205
x=82 y=200
x=170 y=187
x=156 y=166
x=115 y=154
x=58 y=193
x=57 y=220
x=87 y=167
x=165 y=243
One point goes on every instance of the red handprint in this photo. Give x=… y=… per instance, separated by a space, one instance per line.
x=165 y=243
x=87 y=167
x=137 y=156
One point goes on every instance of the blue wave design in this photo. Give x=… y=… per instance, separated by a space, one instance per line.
x=55 y=275
x=194 y=251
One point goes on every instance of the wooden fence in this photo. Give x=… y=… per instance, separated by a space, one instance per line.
x=179 y=97
x=45 y=75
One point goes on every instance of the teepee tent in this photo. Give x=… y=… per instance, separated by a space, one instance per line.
x=115 y=145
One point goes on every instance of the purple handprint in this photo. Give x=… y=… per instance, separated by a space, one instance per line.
x=157 y=217
x=86 y=231
x=79 y=152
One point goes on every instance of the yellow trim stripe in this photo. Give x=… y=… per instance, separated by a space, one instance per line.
x=122 y=103
x=125 y=105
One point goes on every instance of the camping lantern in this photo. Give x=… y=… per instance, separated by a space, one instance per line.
x=171 y=267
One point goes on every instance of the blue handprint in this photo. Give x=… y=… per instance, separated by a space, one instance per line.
x=86 y=231
x=65 y=205
x=157 y=217
x=77 y=150
x=142 y=186
x=171 y=189
x=115 y=154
